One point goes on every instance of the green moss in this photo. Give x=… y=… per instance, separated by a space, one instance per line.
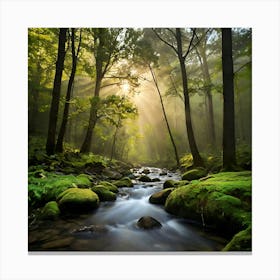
x=223 y=200
x=42 y=189
x=194 y=174
x=169 y=184
x=77 y=200
x=50 y=211
x=111 y=187
x=123 y=183
x=103 y=193
x=242 y=241
x=161 y=196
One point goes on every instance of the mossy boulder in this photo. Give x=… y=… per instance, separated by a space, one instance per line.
x=169 y=184
x=145 y=178
x=103 y=193
x=77 y=200
x=194 y=174
x=123 y=183
x=224 y=201
x=47 y=188
x=242 y=241
x=174 y=184
x=111 y=187
x=160 y=197
x=50 y=211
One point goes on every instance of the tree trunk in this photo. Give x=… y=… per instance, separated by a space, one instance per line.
x=229 y=158
x=197 y=160
x=92 y=118
x=207 y=83
x=114 y=139
x=50 y=145
x=59 y=143
x=165 y=118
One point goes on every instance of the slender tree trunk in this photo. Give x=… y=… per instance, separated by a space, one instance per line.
x=92 y=118
x=59 y=143
x=115 y=139
x=201 y=54
x=50 y=145
x=229 y=158
x=165 y=118
x=197 y=160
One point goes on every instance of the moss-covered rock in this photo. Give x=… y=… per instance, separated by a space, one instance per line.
x=194 y=174
x=111 y=187
x=174 y=184
x=50 y=211
x=103 y=193
x=242 y=241
x=46 y=188
x=160 y=197
x=145 y=178
x=124 y=183
x=169 y=184
x=77 y=200
x=223 y=201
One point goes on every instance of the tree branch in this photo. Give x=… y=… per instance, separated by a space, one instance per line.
x=164 y=41
x=241 y=67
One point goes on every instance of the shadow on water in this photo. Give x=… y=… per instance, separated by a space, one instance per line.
x=113 y=226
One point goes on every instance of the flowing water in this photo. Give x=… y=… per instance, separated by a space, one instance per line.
x=113 y=226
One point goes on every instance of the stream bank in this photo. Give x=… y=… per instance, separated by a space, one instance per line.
x=113 y=225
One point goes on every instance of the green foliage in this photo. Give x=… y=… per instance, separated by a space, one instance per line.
x=47 y=186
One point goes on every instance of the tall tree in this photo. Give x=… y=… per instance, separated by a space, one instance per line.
x=177 y=46
x=110 y=45
x=59 y=143
x=229 y=158
x=202 y=57
x=50 y=146
x=165 y=117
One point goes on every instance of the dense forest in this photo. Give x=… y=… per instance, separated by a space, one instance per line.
x=139 y=139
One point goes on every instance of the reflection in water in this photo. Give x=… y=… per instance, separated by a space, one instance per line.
x=112 y=227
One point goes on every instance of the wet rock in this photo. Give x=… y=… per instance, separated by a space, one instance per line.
x=92 y=229
x=146 y=171
x=77 y=200
x=148 y=222
x=155 y=180
x=103 y=193
x=123 y=195
x=163 y=173
x=194 y=174
x=111 y=187
x=124 y=183
x=160 y=197
x=145 y=178
x=169 y=184
x=58 y=244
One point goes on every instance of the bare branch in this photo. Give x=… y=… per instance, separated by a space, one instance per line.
x=164 y=41
x=189 y=47
x=241 y=67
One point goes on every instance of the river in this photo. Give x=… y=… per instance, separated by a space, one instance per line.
x=113 y=226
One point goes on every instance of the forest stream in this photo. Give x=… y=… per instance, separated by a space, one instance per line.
x=113 y=226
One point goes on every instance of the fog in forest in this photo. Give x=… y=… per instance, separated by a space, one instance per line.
x=143 y=137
